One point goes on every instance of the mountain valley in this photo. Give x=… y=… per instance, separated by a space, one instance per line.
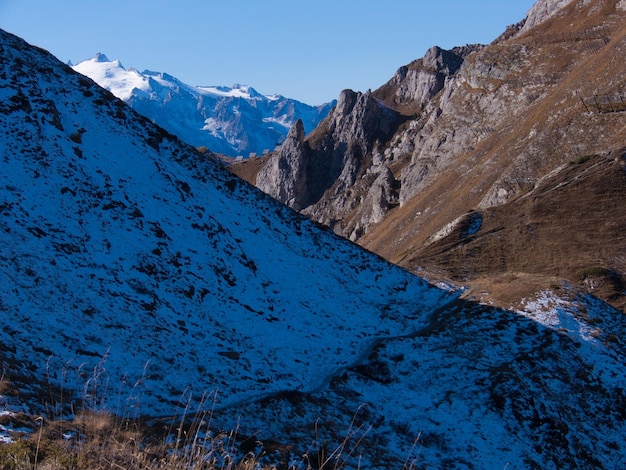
x=480 y=324
x=474 y=137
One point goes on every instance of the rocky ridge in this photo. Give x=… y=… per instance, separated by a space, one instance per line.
x=331 y=158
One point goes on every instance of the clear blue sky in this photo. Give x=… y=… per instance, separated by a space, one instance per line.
x=309 y=51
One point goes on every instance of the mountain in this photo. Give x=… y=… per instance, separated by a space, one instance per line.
x=139 y=277
x=133 y=253
x=498 y=167
x=233 y=121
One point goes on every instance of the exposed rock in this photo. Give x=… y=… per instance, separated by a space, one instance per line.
x=283 y=177
x=542 y=10
x=382 y=195
x=341 y=174
x=301 y=171
x=414 y=85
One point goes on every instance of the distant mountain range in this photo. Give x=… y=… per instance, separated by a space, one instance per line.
x=233 y=121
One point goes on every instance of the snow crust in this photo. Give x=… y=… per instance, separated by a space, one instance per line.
x=155 y=273
x=237 y=91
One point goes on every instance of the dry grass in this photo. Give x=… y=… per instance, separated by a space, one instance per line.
x=99 y=440
x=94 y=441
x=249 y=168
x=568 y=227
x=509 y=290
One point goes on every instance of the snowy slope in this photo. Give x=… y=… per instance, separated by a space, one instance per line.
x=136 y=274
x=478 y=388
x=232 y=121
x=119 y=242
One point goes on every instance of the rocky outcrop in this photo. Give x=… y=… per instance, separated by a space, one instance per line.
x=414 y=85
x=458 y=108
x=284 y=177
x=380 y=197
x=542 y=10
x=344 y=174
x=331 y=160
x=468 y=111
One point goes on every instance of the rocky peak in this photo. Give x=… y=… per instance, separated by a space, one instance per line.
x=100 y=57
x=302 y=170
x=283 y=177
x=415 y=84
x=296 y=132
x=542 y=10
x=360 y=118
x=346 y=152
x=346 y=102
x=442 y=61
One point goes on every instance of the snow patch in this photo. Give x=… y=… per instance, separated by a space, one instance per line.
x=559 y=314
x=237 y=91
x=283 y=121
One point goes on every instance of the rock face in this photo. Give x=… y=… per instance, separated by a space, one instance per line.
x=472 y=128
x=307 y=175
x=542 y=10
x=414 y=85
x=284 y=177
x=344 y=174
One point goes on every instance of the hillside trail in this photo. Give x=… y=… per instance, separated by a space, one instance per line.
x=438 y=318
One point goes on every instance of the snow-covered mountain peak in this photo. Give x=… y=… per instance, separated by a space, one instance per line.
x=236 y=91
x=113 y=76
x=234 y=121
x=100 y=57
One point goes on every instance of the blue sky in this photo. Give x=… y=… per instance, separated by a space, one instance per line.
x=304 y=50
